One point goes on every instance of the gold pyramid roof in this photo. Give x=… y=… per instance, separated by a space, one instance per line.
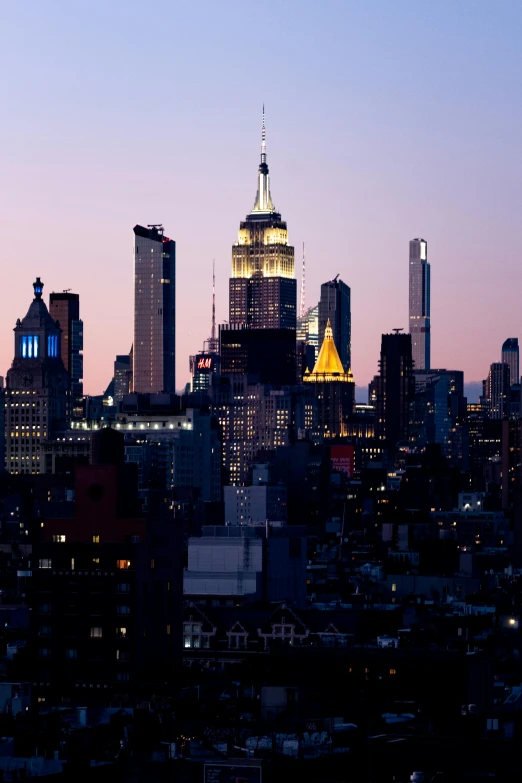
x=328 y=366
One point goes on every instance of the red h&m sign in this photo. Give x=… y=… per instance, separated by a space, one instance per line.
x=343 y=459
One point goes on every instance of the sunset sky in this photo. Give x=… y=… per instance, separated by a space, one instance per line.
x=385 y=121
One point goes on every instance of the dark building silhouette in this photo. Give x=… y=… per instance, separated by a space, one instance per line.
x=269 y=354
x=334 y=306
x=154 y=348
x=106 y=590
x=64 y=307
x=395 y=390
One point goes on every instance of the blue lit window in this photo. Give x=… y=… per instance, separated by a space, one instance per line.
x=29 y=346
x=52 y=345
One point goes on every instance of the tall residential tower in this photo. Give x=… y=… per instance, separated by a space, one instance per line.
x=420 y=304
x=154 y=346
x=263 y=289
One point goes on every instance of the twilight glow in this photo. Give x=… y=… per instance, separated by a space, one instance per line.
x=384 y=122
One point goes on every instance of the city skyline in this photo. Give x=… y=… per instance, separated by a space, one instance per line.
x=346 y=180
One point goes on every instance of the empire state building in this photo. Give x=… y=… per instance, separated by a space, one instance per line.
x=262 y=287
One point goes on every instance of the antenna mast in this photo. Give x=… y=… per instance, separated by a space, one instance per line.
x=212 y=341
x=302 y=306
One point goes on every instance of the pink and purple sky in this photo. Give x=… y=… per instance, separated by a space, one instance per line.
x=385 y=121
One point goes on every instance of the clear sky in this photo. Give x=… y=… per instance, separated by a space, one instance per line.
x=386 y=120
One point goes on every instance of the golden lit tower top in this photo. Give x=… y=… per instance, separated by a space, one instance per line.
x=262 y=248
x=328 y=366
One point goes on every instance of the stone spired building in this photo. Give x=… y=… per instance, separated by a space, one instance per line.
x=334 y=389
x=37 y=389
x=263 y=289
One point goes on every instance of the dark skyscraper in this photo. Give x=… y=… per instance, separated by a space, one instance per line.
x=263 y=290
x=510 y=356
x=420 y=304
x=154 y=356
x=64 y=307
x=395 y=390
x=334 y=306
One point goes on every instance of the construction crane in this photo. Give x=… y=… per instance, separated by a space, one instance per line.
x=398 y=330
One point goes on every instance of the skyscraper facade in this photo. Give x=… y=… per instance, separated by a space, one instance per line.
x=395 y=390
x=334 y=306
x=420 y=304
x=154 y=356
x=37 y=391
x=64 y=307
x=263 y=289
x=511 y=357
x=497 y=390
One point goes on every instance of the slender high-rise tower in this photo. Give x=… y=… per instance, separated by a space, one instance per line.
x=154 y=311
x=263 y=290
x=420 y=304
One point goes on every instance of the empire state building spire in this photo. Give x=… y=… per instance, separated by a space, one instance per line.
x=264 y=201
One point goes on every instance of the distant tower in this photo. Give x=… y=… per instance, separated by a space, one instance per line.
x=37 y=388
x=64 y=307
x=420 y=304
x=302 y=305
x=154 y=344
x=510 y=356
x=497 y=390
x=334 y=306
x=263 y=289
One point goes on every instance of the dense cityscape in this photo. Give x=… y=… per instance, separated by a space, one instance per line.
x=258 y=577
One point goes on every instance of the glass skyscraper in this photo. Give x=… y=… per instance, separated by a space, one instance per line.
x=420 y=304
x=334 y=306
x=263 y=290
x=510 y=356
x=154 y=311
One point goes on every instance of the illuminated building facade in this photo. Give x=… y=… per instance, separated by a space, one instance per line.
x=154 y=311
x=420 y=304
x=334 y=389
x=202 y=367
x=37 y=390
x=263 y=290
